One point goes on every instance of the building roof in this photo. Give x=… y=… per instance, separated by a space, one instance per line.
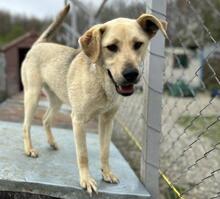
x=18 y=40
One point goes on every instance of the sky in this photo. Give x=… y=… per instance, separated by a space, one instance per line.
x=37 y=8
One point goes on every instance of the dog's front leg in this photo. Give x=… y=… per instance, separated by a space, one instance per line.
x=105 y=132
x=86 y=181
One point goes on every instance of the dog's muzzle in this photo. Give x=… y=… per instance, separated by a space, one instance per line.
x=125 y=90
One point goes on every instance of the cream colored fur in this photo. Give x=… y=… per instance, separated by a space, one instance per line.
x=80 y=78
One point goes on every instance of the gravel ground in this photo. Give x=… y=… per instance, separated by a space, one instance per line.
x=15 y=195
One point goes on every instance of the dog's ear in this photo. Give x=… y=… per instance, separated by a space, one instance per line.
x=150 y=24
x=90 y=42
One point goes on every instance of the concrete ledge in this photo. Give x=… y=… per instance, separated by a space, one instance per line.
x=55 y=173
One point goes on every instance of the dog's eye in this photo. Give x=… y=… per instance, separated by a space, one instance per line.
x=137 y=45
x=112 y=48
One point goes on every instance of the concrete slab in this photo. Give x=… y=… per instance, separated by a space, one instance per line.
x=55 y=173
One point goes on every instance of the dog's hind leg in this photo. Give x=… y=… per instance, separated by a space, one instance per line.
x=54 y=107
x=32 y=84
x=31 y=98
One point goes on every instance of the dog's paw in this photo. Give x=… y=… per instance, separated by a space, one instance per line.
x=31 y=153
x=109 y=177
x=54 y=146
x=89 y=184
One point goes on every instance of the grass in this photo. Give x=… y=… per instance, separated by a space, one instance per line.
x=208 y=124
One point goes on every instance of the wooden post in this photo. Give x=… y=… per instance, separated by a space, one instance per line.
x=154 y=66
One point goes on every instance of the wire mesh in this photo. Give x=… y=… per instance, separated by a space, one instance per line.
x=190 y=140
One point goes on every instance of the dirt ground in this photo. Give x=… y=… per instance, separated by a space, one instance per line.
x=13 y=110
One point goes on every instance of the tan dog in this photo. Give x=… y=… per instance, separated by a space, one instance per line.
x=92 y=80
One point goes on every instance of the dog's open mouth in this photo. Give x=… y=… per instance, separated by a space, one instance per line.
x=124 y=90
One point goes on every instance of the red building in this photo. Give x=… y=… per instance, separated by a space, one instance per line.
x=14 y=53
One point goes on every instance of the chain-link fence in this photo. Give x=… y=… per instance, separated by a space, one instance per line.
x=190 y=141
x=190 y=114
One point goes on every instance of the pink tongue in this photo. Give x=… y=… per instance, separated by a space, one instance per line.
x=126 y=89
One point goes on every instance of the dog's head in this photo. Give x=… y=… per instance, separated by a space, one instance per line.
x=120 y=46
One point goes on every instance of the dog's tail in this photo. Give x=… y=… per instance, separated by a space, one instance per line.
x=49 y=32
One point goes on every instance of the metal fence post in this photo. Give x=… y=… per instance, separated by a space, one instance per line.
x=154 y=66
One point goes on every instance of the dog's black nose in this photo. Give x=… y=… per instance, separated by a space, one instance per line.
x=130 y=74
